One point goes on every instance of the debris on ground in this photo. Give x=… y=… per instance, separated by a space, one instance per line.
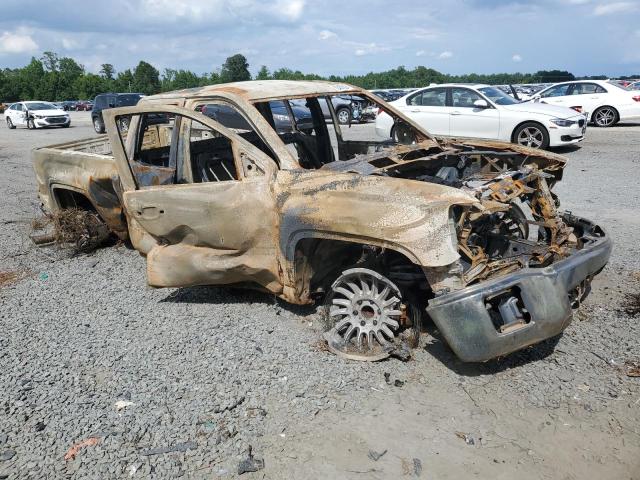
x=75 y=449
x=12 y=276
x=417 y=467
x=250 y=464
x=398 y=383
x=632 y=368
x=122 y=404
x=375 y=456
x=387 y=378
x=81 y=230
x=631 y=305
x=7 y=455
x=468 y=439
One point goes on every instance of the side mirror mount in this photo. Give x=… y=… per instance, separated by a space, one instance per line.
x=480 y=104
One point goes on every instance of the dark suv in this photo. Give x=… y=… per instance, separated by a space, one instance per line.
x=111 y=100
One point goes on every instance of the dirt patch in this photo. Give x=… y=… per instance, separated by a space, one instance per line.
x=82 y=231
x=631 y=304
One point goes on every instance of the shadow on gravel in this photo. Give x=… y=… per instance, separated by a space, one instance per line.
x=566 y=149
x=441 y=351
x=233 y=295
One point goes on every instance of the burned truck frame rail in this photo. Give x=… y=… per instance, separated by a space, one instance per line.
x=384 y=231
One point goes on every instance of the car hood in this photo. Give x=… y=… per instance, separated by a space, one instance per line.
x=542 y=109
x=48 y=112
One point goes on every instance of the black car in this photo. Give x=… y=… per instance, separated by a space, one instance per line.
x=105 y=101
x=69 y=105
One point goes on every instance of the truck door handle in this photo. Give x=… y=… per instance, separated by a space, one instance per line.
x=149 y=212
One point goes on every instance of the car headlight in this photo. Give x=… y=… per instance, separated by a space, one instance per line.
x=563 y=123
x=39 y=116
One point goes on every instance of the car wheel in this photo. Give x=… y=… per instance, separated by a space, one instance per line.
x=344 y=116
x=531 y=134
x=123 y=124
x=10 y=124
x=605 y=117
x=366 y=312
x=31 y=125
x=98 y=125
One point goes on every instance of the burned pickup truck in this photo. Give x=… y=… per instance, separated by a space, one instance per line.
x=387 y=233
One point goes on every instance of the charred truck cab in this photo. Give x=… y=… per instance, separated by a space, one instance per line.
x=274 y=191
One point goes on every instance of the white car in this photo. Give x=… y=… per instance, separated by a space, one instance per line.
x=482 y=111
x=607 y=102
x=36 y=114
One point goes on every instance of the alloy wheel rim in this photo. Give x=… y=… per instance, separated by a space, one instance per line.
x=605 y=117
x=531 y=137
x=343 y=116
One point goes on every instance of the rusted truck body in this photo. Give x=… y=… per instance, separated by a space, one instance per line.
x=386 y=232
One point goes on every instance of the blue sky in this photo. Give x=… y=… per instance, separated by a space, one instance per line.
x=341 y=37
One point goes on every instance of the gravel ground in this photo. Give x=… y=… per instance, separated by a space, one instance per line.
x=180 y=382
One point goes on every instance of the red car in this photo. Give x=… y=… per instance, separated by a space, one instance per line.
x=84 y=106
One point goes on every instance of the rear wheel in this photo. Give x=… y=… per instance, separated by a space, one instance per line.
x=531 y=134
x=10 y=124
x=605 y=117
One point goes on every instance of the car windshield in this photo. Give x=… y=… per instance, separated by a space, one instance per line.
x=41 y=106
x=498 y=96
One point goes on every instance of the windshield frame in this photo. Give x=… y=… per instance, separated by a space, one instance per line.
x=503 y=95
x=38 y=106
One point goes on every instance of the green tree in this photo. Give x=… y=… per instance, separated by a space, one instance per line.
x=50 y=61
x=69 y=73
x=146 y=78
x=124 y=81
x=235 y=69
x=89 y=85
x=263 y=73
x=107 y=71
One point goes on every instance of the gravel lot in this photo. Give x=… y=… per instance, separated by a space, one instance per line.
x=180 y=382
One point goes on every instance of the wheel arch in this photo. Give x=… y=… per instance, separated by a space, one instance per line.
x=317 y=260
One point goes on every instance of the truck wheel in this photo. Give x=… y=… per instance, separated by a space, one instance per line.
x=344 y=116
x=98 y=125
x=366 y=313
x=10 y=124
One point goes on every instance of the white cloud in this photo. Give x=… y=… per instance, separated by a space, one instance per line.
x=367 y=48
x=292 y=9
x=420 y=53
x=70 y=44
x=615 y=7
x=445 y=55
x=326 y=35
x=19 y=41
x=517 y=57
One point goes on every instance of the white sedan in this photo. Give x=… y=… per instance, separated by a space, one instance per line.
x=482 y=111
x=36 y=114
x=607 y=102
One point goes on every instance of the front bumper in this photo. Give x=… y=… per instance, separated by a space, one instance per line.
x=465 y=319
x=52 y=121
x=566 y=135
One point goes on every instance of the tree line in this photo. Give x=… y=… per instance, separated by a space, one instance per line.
x=56 y=78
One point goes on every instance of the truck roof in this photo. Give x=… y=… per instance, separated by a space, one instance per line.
x=257 y=90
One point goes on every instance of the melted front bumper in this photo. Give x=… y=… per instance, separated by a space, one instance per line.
x=467 y=318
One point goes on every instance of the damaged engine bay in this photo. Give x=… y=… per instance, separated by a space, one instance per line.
x=518 y=224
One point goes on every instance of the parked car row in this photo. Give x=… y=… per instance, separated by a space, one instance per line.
x=553 y=116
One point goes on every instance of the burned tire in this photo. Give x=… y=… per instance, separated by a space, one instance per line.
x=605 y=117
x=368 y=317
x=531 y=134
x=98 y=125
x=344 y=116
